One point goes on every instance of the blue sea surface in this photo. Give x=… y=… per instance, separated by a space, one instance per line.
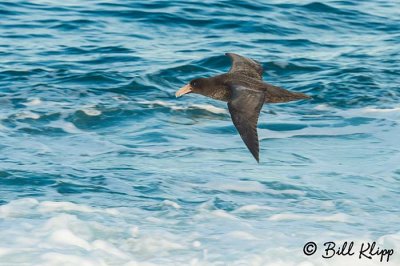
x=101 y=165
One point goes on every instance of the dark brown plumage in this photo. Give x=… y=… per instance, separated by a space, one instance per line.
x=245 y=92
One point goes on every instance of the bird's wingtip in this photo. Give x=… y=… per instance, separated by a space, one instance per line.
x=257 y=157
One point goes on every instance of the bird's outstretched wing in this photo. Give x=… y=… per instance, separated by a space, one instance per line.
x=245 y=107
x=245 y=66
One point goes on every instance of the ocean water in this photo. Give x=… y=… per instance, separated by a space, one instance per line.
x=101 y=165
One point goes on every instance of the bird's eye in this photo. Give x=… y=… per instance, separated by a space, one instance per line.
x=194 y=84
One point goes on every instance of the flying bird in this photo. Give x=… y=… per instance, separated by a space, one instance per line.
x=245 y=92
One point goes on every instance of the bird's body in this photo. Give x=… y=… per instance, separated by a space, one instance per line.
x=273 y=94
x=245 y=92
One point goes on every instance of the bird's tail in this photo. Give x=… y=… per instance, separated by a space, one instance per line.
x=274 y=94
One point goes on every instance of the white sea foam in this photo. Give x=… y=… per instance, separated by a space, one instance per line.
x=18 y=208
x=56 y=235
x=381 y=110
x=207 y=107
x=66 y=237
x=33 y=102
x=64 y=233
x=22 y=206
x=365 y=111
x=156 y=244
x=52 y=206
x=223 y=214
x=196 y=244
x=27 y=114
x=238 y=186
x=91 y=111
x=59 y=259
x=281 y=64
x=387 y=113
x=161 y=103
x=210 y=108
x=172 y=204
x=134 y=231
x=254 y=208
x=241 y=235
x=5 y=251
x=338 y=217
x=65 y=126
x=322 y=107
x=109 y=248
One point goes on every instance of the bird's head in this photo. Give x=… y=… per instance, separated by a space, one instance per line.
x=199 y=86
